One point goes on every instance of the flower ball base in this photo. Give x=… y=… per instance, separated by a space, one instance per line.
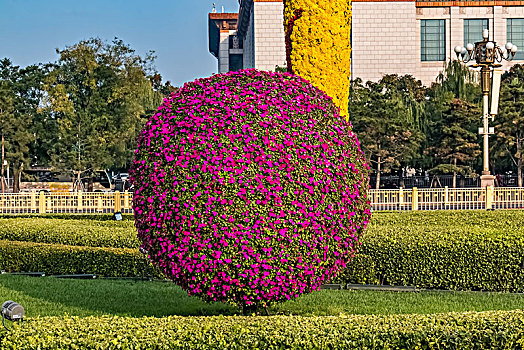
x=250 y=188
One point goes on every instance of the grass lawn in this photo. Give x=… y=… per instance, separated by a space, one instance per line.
x=55 y=297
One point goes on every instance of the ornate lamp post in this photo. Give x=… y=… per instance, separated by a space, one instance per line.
x=487 y=56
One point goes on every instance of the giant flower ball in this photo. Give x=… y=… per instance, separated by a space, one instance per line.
x=250 y=188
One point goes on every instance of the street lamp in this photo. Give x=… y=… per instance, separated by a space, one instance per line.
x=487 y=56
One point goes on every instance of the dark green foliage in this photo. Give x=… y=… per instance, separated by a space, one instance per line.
x=451 y=120
x=509 y=125
x=485 y=330
x=460 y=80
x=397 y=119
x=455 y=139
x=83 y=112
x=386 y=116
x=90 y=90
x=98 y=95
x=20 y=96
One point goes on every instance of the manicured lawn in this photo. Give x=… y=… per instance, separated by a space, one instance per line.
x=55 y=297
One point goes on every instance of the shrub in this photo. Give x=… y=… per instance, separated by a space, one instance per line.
x=470 y=330
x=85 y=232
x=56 y=259
x=466 y=250
x=425 y=249
x=318 y=45
x=249 y=188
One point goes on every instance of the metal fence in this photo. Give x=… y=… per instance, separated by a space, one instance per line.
x=397 y=200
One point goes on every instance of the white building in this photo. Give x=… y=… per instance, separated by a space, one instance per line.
x=256 y=32
x=388 y=37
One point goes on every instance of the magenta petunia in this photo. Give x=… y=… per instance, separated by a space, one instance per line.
x=250 y=188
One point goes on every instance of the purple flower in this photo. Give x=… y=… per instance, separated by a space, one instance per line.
x=250 y=188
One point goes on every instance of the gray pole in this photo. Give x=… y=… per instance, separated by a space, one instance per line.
x=487 y=56
x=486 y=179
x=485 y=122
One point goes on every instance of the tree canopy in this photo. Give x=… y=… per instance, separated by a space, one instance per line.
x=509 y=125
x=402 y=124
x=82 y=113
x=386 y=117
x=20 y=95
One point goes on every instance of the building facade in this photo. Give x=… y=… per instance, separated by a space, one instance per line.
x=388 y=36
x=419 y=37
x=256 y=32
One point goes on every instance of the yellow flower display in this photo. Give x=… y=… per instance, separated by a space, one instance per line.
x=318 y=45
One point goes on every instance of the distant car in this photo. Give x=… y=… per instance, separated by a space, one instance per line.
x=121 y=176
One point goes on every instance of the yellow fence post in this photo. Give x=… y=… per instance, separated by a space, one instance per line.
x=489 y=197
x=414 y=199
x=41 y=203
x=33 y=201
x=80 y=201
x=126 y=200
x=118 y=205
x=401 y=196
x=99 y=203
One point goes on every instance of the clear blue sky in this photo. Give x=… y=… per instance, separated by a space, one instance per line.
x=177 y=30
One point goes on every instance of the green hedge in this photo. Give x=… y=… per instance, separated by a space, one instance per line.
x=469 y=250
x=461 y=250
x=57 y=259
x=85 y=232
x=486 y=330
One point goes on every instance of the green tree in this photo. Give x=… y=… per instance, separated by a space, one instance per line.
x=461 y=81
x=456 y=140
x=23 y=87
x=386 y=117
x=457 y=81
x=6 y=114
x=509 y=125
x=98 y=97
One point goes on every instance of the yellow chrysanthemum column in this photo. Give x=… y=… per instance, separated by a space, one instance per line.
x=318 y=45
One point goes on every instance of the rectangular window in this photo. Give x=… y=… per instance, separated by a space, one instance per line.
x=516 y=35
x=433 y=42
x=236 y=62
x=473 y=30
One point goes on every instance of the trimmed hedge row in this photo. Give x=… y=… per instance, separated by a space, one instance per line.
x=93 y=233
x=444 y=250
x=484 y=330
x=56 y=259
x=467 y=250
